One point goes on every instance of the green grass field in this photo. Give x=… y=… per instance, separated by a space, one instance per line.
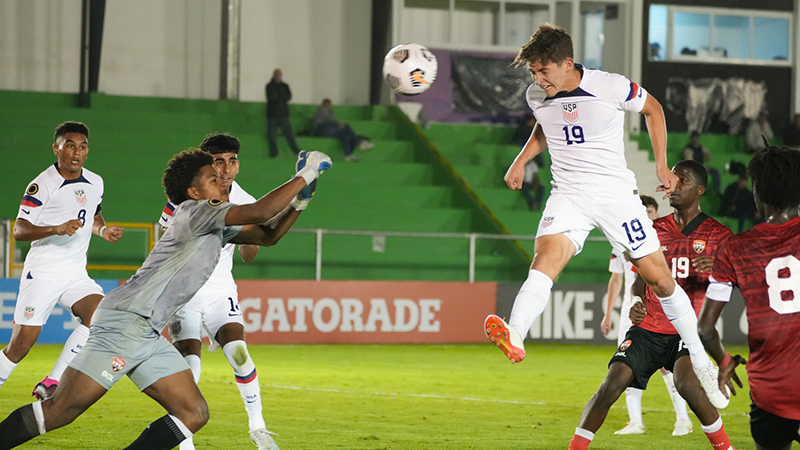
x=389 y=397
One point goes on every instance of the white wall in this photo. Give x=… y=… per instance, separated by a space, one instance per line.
x=171 y=48
x=40 y=45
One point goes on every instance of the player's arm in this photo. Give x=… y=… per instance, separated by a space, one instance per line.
x=614 y=288
x=111 y=233
x=536 y=144
x=638 y=308
x=248 y=252
x=657 y=130
x=26 y=231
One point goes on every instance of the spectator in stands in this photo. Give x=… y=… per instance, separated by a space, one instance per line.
x=695 y=151
x=278 y=96
x=792 y=136
x=326 y=125
x=737 y=201
x=759 y=127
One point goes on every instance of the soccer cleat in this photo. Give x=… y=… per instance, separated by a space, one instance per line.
x=683 y=427
x=708 y=377
x=263 y=439
x=45 y=389
x=631 y=428
x=505 y=337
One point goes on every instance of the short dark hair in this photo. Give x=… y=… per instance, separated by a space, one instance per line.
x=698 y=170
x=548 y=44
x=774 y=172
x=216 y=143
x=181 y=172
x=649 y=201
x=70 y=127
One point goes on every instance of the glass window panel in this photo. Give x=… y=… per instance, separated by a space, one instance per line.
x=731 y=37
x=522 y=20
x=657 y=32
x=771 y=39
x=691 y=32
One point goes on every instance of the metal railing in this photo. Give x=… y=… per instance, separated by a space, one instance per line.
x=153 y=230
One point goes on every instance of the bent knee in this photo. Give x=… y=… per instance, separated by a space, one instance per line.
x=197 y=416
x=663 y=287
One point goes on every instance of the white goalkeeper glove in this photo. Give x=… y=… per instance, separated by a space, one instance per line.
x=311 y=164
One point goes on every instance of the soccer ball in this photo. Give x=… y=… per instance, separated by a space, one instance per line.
x=409 y=69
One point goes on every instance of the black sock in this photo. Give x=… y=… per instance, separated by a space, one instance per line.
x=19 y=427
x=163 y=434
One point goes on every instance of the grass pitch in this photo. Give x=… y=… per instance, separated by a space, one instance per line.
x=389 y=397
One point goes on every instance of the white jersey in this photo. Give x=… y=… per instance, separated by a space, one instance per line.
x=51 y=200
x=585 y=132
x=221 y=278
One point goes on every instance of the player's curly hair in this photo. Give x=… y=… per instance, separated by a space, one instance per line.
x=182 y=171
x=548 y=44
x=216 y=143
x=698 y=171
x=774 y=172
x=649 y=201
x=70 y=127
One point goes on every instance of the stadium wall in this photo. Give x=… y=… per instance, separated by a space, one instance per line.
x=393 y=312
x=171 y=49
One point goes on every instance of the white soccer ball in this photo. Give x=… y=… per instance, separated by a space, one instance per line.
x=409 y=69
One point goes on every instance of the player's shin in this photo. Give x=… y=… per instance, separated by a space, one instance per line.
x=530 y=302
x=163 y=434
x=246 y=381
x=6 y=367
x=74 y=344
x=717 y=436
x=21 y=426
x=678 y=309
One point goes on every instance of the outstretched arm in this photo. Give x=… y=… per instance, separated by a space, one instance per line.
x=535 y=145
x=657 y=130
x=614 y=287
x=713 y=345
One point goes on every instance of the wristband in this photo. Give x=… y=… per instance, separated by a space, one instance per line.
x=726 y=360
x=100 y=231
x=636 y=299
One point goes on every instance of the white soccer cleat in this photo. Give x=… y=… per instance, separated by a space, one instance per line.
x=506 y=337
x=631 y=428
x=709 y=377
x=683 y=427
x=263 y=439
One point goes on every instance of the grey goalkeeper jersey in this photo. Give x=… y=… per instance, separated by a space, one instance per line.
x=179 y=264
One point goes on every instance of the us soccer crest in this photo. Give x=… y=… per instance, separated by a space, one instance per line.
x=29 y=311
x=80 y=196
x=570 y=111
x=118 y=364
x=699 y=245
x=547 y=221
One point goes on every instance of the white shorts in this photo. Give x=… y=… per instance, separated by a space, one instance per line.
x=622 y=219
x=209 y=310
x=37 y=297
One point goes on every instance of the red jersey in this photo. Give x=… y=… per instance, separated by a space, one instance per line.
x=764 y=263
x=700 y=237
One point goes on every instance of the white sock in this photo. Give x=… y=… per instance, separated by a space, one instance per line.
x=678 y=309
x=74 y=344
x=633 y=399
x=584 y=433
x=194 y=365
x=246 y=381
x=677 y=401
x=714 y=427
x=187 y=444
x=530 y=302
x=39 y=415
x=6 y=367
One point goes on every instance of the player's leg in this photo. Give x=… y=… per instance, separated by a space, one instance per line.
x=772 y=432
x=22 y=339
x=633 y=402
x=619 y=377
x=286 y=128
x=81 y=300
x=185 y=332
x=187 y=412
x=678 y=308
x=75 y=394
x=690 y=389
x=683 y=425
x=232 y=340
